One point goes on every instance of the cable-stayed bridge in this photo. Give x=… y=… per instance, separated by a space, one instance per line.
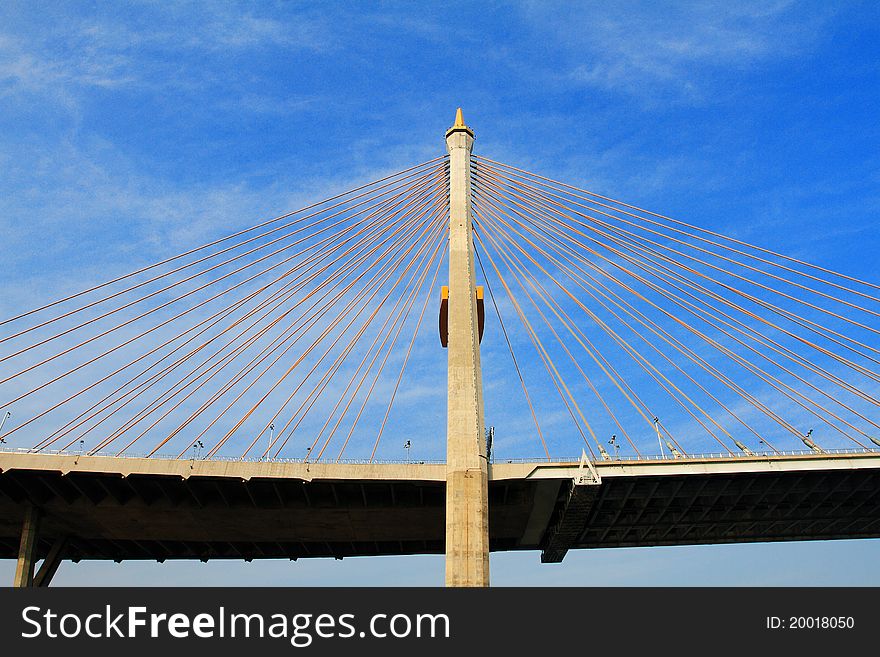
x=278 y=392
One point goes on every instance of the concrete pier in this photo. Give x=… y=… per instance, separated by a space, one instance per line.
x=24 y=568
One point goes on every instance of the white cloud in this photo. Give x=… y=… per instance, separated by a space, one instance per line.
x=64 y=59
x=668 y=48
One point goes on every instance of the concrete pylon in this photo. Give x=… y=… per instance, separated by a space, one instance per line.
x=467 y=481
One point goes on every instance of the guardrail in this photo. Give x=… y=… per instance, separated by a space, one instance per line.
x=215 y=458
x=611 y=459
x=700 y=456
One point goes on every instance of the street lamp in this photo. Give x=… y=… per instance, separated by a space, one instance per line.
x=616 y=445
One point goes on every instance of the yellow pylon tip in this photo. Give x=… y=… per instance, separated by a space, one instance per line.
x=459 y=119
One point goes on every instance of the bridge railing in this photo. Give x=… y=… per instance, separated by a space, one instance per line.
x=629 y=458
x=567 y=459
x=215 y=457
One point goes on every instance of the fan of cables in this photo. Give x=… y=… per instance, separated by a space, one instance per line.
x=285 y=338
x=629 y=334
x=656 y=336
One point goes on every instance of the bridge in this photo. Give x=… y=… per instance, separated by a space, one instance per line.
x=230 y=402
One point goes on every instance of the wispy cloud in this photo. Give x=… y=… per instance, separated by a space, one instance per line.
x=66 y=58
x=671 y=47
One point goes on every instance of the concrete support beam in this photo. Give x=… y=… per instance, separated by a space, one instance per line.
x=571 y=517
x=27 y=550
x=467 y=496
x=50 y=563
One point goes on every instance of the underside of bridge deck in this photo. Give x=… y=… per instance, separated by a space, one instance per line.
x=298 y=512
x=718 y=508
x=145 y=516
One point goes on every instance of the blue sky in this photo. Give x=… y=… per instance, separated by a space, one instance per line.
x=134 y=131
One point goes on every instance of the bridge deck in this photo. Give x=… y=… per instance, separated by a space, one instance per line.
x=133 y=508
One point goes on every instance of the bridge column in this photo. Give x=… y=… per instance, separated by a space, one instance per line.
x=27 y=550
x=467 y=485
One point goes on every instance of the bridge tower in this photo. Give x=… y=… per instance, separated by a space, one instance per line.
x=467 y=481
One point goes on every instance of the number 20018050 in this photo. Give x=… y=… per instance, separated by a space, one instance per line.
x=821 y=622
